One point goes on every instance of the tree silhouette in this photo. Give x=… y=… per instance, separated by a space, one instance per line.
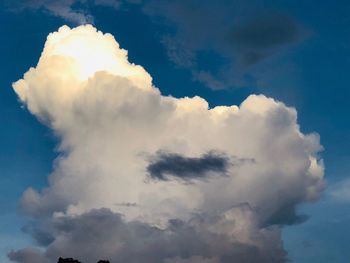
x=71 y=260
x=67 y=260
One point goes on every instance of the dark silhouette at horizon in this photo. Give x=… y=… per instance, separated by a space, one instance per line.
x=71 y=260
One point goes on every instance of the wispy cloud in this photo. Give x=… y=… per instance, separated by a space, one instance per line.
x=240 y=33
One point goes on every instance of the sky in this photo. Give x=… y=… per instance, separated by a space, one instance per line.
x=148 y=143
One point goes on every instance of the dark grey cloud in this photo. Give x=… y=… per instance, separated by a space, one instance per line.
x=68 y=260
x=127 y=204
x=259 y=37
x=40 y=232
x=165 y=165
x=181 y=241
x=287 y=215
x=266 y=32
x=241 y=33
x=29 y=255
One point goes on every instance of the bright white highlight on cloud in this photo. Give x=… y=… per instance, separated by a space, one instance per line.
x=233 y=173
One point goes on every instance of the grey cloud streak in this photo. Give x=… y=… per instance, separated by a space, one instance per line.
x=165 y=164
x=65 y=9
x=260 y=37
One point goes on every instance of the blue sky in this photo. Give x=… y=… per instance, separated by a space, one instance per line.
x=308 y=71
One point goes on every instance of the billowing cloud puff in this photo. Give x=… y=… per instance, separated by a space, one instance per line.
x=144 y=177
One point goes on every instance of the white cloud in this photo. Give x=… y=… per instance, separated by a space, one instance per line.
x=110 y=119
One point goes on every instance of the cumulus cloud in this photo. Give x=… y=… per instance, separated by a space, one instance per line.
x=110 y=119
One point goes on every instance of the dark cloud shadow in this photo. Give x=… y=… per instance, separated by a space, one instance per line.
x=256 y=38
x=181 y=241
x=164 y=166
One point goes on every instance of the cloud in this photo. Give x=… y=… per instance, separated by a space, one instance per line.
x=70 y=10
x=109 y=116
x=102 y=232
x=170 y=164
x=261 y=36
x=239 y=36
x=340 y=191
x=77 y=12
x=240 y=33
x=27 y=255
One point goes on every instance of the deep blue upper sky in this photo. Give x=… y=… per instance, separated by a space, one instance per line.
x=307 y=69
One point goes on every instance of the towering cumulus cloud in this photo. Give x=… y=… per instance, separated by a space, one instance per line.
x=143 y=177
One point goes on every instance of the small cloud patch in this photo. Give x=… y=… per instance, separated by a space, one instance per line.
x=165 y=165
